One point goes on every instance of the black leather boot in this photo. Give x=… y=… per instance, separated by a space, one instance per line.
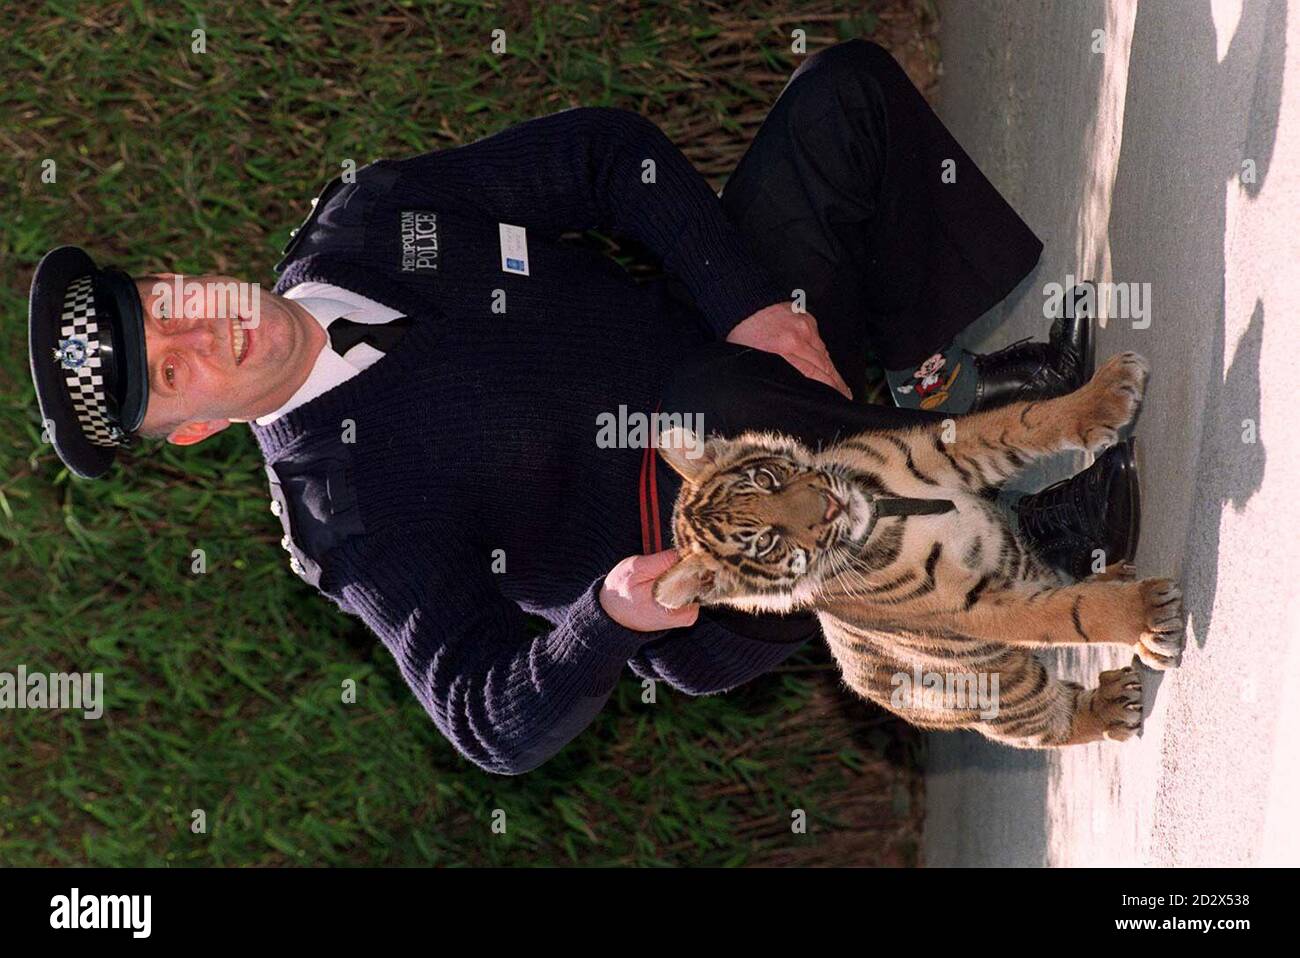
x=1100 y=508
x=1026 y=370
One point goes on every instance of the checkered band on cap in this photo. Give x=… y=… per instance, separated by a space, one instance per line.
x=78 y=353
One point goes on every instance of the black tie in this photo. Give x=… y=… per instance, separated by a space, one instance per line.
x=345 y=333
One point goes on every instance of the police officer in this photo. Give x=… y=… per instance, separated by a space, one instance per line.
x=424 y=379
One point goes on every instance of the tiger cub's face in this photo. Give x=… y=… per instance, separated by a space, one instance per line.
x=758 y=524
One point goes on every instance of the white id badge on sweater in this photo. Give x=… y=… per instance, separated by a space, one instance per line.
x=514 y=249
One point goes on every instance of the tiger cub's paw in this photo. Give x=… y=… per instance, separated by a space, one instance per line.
x=1116 y=703
x=1160 y=646
x=1110 y=400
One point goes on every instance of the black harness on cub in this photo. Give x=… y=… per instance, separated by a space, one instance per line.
x=903 y=506
x=886 y=506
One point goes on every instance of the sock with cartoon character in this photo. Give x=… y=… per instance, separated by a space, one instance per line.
x=944 y=381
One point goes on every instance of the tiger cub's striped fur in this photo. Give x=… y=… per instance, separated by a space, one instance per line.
x=764 y=524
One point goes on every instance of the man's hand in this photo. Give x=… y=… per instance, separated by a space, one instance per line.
x=627 y=595
x=792 y=336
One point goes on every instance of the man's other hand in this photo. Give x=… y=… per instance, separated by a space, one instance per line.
x=792 y=336
x=627 y=595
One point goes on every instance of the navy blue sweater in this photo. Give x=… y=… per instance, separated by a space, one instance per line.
x=474 y=489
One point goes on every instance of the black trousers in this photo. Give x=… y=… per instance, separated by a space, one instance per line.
x=843 y=195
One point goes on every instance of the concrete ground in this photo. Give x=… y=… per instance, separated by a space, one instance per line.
x=1168 y=156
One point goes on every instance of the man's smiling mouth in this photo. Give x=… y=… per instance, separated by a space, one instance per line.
x=240 y=340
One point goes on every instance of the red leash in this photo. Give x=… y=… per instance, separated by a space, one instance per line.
x=648 y=496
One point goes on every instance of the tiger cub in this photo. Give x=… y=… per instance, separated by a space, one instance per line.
x=765 y=525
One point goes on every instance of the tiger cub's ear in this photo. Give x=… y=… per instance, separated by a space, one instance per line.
x=686 y=452
x=693 y=579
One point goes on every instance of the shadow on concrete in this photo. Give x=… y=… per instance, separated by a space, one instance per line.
x=1020 y=95
x=1003 y=63
x=1190 y=122
x=1230 y=470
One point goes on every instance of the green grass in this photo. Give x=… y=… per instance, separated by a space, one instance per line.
x=224 y=688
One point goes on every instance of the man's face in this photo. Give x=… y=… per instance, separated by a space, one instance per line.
x=222 y=351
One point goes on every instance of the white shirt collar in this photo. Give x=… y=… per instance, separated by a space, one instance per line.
x=327 y=303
